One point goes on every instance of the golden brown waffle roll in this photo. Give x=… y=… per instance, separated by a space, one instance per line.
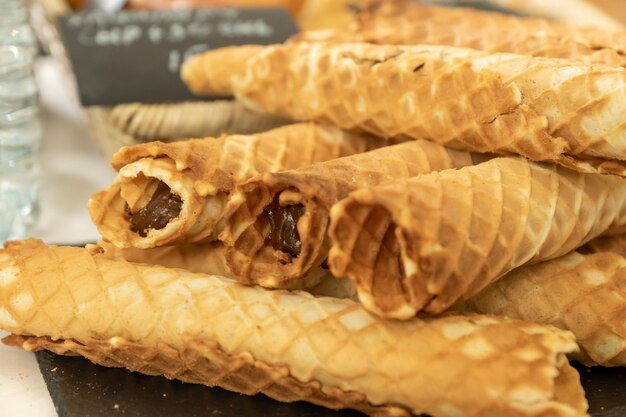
x=329 y=286
x=613 y=7
x=425 y=243
x=541 y=108
x=324 y=14
x=232 y=59
x=290 y=346
x=579 y=12
x=409 y=23
x=205 y=258
x=615 y=244
x=321 y=14
x=175 y=121
x=133 y=123
x=174 y=193
x=585 y=294
x=208 y=258
x=275 y=225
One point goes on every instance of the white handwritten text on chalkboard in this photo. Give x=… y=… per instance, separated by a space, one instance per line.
x=153 y=44
x=128 y=34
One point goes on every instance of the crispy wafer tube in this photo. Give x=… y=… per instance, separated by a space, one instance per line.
x=174 y=193
x=208 y=258
x=169 y=122
x=615 y=244
x=275 y=225
x=542 y=108
x=290 y=346
x=579 y=12
x=585 y=294
x=233 y=61
x=425 y=243
x=409 y=23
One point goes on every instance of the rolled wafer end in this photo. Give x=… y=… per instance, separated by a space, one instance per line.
x=152 y=203
x=275 y=231
x=377 y=272
x=213 y=72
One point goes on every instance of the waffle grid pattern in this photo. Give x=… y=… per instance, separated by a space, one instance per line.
x=405 y=22
x=204 y=258
x=541 y=108
x=585 y=294
x=159 y=121
x=421 y=365
x=452 y=233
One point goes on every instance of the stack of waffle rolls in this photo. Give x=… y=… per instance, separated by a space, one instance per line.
x=290 y=346
x=424 y=243
x=404 y=22
x=324 y=14
x=545 y=109
x=583 y=292
x=275 y=224
x=174 y=193
x=351 y=230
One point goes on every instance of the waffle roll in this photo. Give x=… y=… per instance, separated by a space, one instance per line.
x=231 y=59
x=205 y=257
x=275 y=224
x=615 y=244
x=404 y=22
x=290 y=346
x=174 y=193
x=578 y=12
x=209 y=258
x=169 y=122
x=545 y=109
x=424 y=243
x=585 y=294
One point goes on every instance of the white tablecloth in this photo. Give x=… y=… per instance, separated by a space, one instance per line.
x=73 y=169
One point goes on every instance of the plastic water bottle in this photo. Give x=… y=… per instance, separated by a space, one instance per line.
x=20 y=128
x=14 y=27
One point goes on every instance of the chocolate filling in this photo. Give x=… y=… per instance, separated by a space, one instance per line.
x=283 y=227
x=160 y=210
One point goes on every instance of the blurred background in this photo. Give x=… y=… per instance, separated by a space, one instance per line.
x=77 y=82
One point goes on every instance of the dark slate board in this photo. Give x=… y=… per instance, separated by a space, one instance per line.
x=135 y=55
x=82 y=389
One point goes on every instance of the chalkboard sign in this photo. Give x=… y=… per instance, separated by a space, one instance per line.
x=135 y=55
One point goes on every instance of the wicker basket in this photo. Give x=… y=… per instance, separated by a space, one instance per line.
x=132 y=123
x=128 y=124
